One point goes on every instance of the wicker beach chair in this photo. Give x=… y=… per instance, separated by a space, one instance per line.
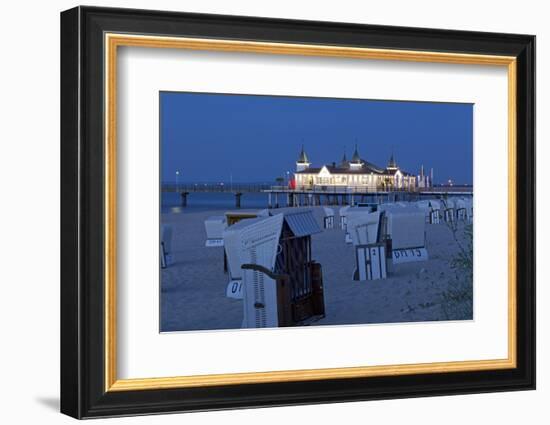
x=461 y=208
x=328 y=219
x=435 y=214
x=425 y=207
x=165 y=245
x=214 y=227
x=342 y=213
x=449 y=211
x=281 y=284
x=366 y=232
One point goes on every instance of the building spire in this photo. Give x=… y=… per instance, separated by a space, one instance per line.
x=303 y=157
x=391 y=162
x=356 y=159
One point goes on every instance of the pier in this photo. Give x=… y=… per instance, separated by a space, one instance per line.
x=318 y=195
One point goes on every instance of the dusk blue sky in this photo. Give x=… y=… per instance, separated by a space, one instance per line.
x=209 y=137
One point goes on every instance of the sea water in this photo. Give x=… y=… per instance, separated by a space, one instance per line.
x=206 y=201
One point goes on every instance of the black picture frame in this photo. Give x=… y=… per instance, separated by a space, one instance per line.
x=83 y=392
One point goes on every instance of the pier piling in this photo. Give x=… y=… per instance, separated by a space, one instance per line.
x=238 y=200
x=184 y=198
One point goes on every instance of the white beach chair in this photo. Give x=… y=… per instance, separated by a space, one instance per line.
x=342 y=214
x=165 y=245
x=370 y=252
x=363 y=226
x=281 y=284
x=406 y=228
x=449 y=212
x=470 y=209
x=214 y=227
x=461 y=208
x=435 y=214
x=426 y=208
x=328 y=219
x=343 y=222
x=258 y=245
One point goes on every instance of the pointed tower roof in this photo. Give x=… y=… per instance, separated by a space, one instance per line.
x=303 y=157
x=356 y=159
x=344 y=163
x=391 y=162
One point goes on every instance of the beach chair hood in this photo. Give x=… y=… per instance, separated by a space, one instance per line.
x=302 y=222
x=252 y=241
x=406 y=227
x=363 y=227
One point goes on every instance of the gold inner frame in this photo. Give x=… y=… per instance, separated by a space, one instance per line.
x=113 y=41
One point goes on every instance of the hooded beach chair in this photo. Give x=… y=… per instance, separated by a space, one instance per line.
x=435 y=214
x=214 y=227
x=449 y=213
x=461 y=208
x=328 y=219
x=366 y=232
x=165 y=245
x=281 y=284
x=406 y=228
x=425 y=207
x=342 y=214
x=470 y=209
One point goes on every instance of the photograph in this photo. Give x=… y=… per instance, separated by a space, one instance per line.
x=286 y=211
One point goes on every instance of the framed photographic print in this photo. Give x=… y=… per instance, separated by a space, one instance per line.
x=261 y=212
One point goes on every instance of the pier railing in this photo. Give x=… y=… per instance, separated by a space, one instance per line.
x=317 y=195
x=315 y=189
x=322 y=190
x=216 y=187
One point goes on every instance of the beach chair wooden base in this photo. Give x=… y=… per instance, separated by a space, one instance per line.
x=328 y=222
x=294 y=310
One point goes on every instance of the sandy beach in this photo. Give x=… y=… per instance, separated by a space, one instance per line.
x=193 y=286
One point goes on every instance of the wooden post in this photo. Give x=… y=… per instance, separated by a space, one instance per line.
x=238 y=199
x=276 y=200
x=269 y=200
x=184 y=198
